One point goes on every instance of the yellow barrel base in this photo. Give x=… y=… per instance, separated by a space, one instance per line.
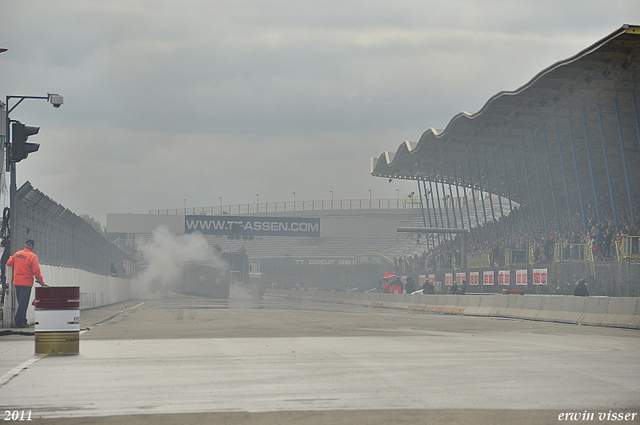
x=58 y=342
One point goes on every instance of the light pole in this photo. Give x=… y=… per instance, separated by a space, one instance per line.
x=257 y=202
x=331 y=191
x=220 y=197
x=369 y=198
x=56 y=100
x=294 y=201
x=185 y=205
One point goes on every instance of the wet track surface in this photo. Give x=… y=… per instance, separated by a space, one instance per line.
x=186 y=359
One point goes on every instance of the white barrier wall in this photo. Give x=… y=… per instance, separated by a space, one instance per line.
x=95 y=290
x=622 y=312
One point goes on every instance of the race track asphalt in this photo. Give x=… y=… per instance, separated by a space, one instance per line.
x=190 y=360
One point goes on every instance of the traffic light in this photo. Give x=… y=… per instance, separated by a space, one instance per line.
x=20 y=149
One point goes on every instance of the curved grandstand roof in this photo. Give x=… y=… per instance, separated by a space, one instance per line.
x=537 y=130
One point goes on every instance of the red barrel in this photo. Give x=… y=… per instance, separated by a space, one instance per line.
x=57 y=298
x=57 y=326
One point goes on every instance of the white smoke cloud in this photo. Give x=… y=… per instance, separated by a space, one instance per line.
x=166 y=256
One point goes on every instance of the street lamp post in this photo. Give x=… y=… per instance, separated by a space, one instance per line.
x=56 y=100
x=257 y=202
x=331 y=191
x=294 y=201
x=220 y=197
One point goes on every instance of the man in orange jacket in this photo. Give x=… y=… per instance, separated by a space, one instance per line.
x=25 y=268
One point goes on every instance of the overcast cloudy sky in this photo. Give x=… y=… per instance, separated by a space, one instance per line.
x=166 y=100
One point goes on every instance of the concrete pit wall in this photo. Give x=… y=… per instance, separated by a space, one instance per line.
x=594 y=311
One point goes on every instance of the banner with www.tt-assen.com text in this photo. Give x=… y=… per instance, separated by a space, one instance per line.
x=249 y=225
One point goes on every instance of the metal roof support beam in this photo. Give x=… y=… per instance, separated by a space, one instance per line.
x=433 y=202
x=475 y=205
x=466 y=197
x=426 y=197
x=493 y=212
x=526 y=174
x=593 y=181
x=553 y=192
x=606 y=166
x=453 y=204
x=429 y=209
x=515 y=172
x=624 y=165
x=575 y=166
x=446 y=207
x=495 y=171
x=506 y=180
x=464 y=236
x=564 y=179
x=435 y=183
x=484 y=208
x=424 y=218
x=535 y=161
x=455 y=178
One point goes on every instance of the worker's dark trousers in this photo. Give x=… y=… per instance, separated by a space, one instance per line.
x=23 y=294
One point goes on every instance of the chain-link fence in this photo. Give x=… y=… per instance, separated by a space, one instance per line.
x=62 y=238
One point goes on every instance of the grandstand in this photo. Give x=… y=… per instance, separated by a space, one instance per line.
x=566 y=147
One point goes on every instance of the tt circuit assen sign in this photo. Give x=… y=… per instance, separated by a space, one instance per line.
x=256 y=226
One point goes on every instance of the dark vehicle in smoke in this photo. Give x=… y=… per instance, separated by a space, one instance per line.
x=215 y=282
x=205 y=281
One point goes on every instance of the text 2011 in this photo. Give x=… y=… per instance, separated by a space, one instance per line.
x=17 y=415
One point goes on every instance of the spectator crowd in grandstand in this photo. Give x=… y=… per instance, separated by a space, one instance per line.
x=537 y=233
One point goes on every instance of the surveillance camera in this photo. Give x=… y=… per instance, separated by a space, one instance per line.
x=56 y=100
x=390 y=180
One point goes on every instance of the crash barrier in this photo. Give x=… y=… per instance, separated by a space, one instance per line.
x=618 y=312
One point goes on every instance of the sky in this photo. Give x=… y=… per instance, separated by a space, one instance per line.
x=167 y=101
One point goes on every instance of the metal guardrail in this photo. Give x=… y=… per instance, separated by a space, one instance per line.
x=628 y=248
x=572 y=252
x=404 y=203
